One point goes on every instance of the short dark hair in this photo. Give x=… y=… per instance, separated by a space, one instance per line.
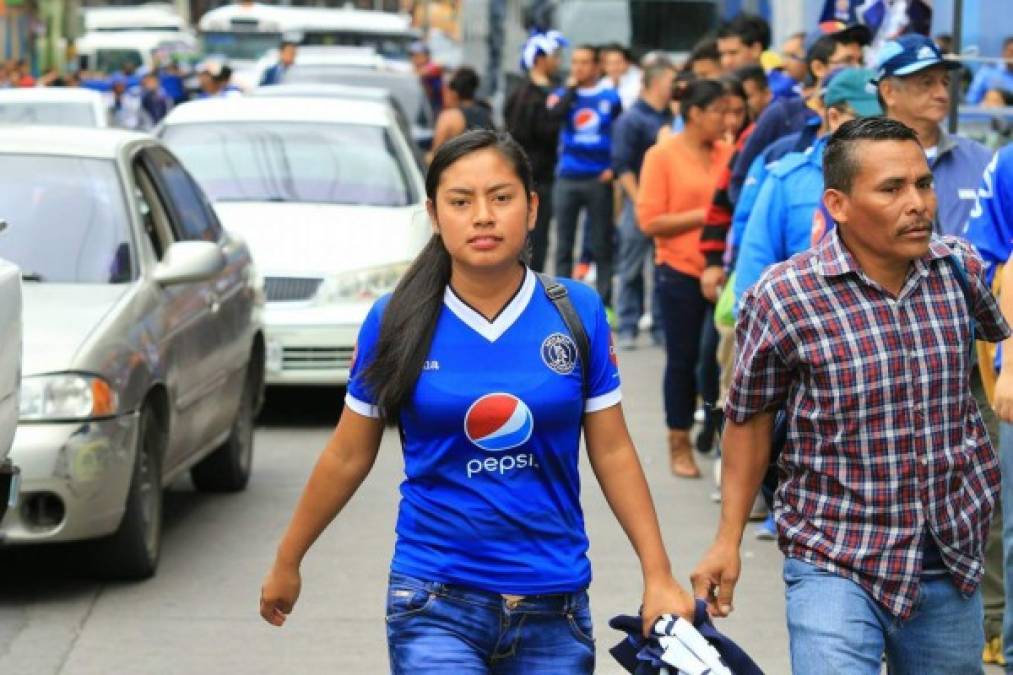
x=749 y=28
x=618 y=48
x=822 y=50
x=754 y=74
x=464 y=83
x=587 y=47
x=286 y=43
x=840 y=161
x=705 y=50
x=733 y=87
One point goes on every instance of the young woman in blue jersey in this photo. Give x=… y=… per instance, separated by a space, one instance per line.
x=474 y=363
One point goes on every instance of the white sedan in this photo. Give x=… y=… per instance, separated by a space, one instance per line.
x=63 y=106
x=331 y=202
x=10 y=375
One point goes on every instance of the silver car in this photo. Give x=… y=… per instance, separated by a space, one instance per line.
x=143 y=347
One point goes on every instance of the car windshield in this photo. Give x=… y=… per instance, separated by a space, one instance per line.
x=404 y=87
x=391 y=46
x=66 y=219
x=62 y=113
x=241 y=46
x=293 y=161
x=113 y=60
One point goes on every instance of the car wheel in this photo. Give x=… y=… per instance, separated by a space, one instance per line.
x=227 y=469
x=133 y=551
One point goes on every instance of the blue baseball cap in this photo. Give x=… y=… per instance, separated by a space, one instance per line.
x=909 y=54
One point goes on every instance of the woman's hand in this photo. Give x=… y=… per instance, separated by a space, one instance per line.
x=665 y=596
x=1004 y=396
x=279 y=593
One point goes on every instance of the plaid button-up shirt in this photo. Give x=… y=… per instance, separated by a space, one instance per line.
x=885 y=441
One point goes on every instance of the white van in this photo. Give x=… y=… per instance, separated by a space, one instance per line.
x=108 y=50
x=153 y=16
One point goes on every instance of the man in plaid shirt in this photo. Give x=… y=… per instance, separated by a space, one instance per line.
x=888 y=477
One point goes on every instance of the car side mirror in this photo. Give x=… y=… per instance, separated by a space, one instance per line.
x=189 y=261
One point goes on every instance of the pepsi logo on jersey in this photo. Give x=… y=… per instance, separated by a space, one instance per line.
x=586 y=119
x=498 y=422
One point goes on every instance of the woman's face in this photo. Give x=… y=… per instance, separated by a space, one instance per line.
x=481 y=210
x=735 y=115
x=710 y=120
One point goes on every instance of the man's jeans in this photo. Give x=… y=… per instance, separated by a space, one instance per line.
x=634 y=248
x=1006 y=465
x=570 y=196
x=836 y=628
x=439 y=628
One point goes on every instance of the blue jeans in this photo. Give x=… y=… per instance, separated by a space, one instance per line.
x=683 y=309
x=634 y=249
x=1006 y=466
x=836 y=628
x=440 y=628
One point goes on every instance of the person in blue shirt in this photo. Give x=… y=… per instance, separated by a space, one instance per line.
x=989 y=77
x=587 y=112
x=286 y=58
x=990 y=229
x=636 y=131
x=788 y=210
x=475 y=365
x=913 y=79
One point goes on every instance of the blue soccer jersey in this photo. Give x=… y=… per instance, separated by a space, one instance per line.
x=491 y=496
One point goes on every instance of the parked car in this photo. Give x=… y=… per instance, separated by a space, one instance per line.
x=10 y=377
x=331 y=200
x=62 y=106
x=143 y=349
x=403 y=86
x=421 y=136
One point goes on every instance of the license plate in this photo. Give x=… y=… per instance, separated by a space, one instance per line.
x=12 y=498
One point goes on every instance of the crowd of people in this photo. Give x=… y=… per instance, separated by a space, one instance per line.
x=711 y=173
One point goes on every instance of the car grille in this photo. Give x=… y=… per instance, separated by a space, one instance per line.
x=316 y=358
x=290 y=289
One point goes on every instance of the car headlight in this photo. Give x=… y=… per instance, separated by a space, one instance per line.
x=66 y=396
x=361 y=285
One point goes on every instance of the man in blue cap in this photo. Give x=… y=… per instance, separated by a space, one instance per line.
x=913 y=79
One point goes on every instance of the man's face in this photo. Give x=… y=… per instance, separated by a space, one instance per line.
x=550 y=63
x=661 y=86
x=922 y=96
x=735 y=115
x=846 y=55
x=287 y=55
x=614 y=64
x=706 y=69
x=756 y=97
x=583 y=67
x=793 y=58
x=736 y=54
x=419 y=60
x=889 y=211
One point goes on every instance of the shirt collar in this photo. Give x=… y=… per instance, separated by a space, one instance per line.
x=836 y=260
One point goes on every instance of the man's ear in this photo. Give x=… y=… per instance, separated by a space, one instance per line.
x=836 y=203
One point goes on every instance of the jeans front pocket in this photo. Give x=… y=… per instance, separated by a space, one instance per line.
x=579 y=620
x=407 y=599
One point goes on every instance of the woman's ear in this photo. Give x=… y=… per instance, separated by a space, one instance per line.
x=532 y=210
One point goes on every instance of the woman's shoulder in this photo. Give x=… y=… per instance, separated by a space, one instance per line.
x=584 y=298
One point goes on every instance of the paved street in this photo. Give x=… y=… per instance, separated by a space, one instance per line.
x=199 y=614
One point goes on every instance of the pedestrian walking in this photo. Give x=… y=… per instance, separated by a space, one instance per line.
x=527 y=118
x=286 y=59
x=677 y=183
x=636 y=131
x=587 y=111
x=154 y=100
x=913 y=79
x=888 y=477
x=461 y=111
x=490 y=567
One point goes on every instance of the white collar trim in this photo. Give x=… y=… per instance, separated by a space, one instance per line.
x=492 y=330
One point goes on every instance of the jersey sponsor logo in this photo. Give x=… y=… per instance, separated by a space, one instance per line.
x=498 y=422
x=613 y=357
x=586 y=120
x=559 y=353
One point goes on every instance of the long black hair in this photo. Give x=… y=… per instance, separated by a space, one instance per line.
x=406 y=331
x=698 y=94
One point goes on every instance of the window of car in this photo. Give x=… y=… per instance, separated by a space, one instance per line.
x=192 y=217
x=67 y=219
x=332 y=163
x=154 y=218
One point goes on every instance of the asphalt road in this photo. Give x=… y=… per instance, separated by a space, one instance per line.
x=199 y=613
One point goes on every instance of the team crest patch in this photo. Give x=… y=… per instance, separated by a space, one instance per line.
x=559 y=353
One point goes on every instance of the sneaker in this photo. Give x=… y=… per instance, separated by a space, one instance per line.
x=767 y=530
x=627 y=342
x=581 y=270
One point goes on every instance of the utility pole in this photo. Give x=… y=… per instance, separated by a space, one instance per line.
x=958 y=47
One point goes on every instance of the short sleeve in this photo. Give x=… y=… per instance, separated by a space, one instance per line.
x=989 y=322
x=603 y=375
x=358 y=396
x=761 y=377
